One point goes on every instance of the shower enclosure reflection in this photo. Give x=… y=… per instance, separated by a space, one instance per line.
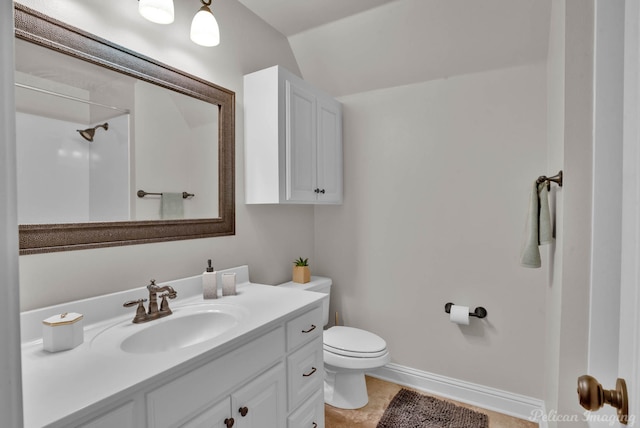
x=62 y=177
x=88 y=138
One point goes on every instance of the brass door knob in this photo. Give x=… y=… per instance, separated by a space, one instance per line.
x=593 y=396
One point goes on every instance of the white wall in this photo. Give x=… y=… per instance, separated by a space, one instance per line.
x=437 y=180
x=10 y=370
x=268 y=238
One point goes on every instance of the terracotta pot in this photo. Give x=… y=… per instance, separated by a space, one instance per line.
x=301 y=274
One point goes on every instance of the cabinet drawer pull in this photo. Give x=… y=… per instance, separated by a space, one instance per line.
x=243 y=411
x=313 y=327
x=313 y=370
x=315 y=425
x=229 y=422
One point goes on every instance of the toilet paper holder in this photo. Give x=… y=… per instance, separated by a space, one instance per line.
x=479 y=312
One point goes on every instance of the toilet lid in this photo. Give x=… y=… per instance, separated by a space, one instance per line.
x=353 y=342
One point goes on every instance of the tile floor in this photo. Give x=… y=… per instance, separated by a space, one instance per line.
x=381 y=393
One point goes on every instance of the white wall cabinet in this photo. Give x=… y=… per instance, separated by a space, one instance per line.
x=293 y=141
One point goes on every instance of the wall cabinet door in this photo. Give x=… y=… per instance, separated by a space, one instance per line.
x=313 y=146
x=293 y=140
x=329 y=151
x=301 y=160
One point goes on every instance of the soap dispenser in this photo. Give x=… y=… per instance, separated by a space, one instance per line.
x=209 y=283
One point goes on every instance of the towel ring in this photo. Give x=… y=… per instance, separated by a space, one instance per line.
x=556 y=179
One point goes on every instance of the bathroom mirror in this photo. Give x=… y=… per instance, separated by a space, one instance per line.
x=206 y=110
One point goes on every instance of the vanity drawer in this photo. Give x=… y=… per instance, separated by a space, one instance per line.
x=310 y=414
x=305 y=372
x=304 y=328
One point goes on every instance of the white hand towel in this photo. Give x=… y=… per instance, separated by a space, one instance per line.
x=171 y=206
x=545 y=234
x=538 y=227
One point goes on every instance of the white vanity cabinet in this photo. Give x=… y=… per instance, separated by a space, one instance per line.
x=293 y=141
x=275 y=380
x=267 y=372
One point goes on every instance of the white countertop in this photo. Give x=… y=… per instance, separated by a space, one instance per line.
x=56 y=385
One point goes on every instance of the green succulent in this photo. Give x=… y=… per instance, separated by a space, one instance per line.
x=301 y=262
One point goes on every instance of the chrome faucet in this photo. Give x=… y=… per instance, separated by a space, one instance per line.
x=154 y=312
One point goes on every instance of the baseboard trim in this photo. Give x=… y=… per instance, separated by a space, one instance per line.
x=519 y=406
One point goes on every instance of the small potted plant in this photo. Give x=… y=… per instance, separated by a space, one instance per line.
x=301 y=272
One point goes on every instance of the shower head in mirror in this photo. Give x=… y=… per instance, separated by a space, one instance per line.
x=88 y=133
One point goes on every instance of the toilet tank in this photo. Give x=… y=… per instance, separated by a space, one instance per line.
x=319 y=284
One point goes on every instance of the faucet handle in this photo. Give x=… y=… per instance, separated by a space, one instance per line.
x=130 y=303
x=164 y=305
x=141 y=313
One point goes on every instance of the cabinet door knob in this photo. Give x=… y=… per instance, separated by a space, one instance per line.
x=243 y=411
x=593 y=396
x=313 y=370
x=229 y=422
x=315 y=425
x=316 y=190
x=313 y=327
x=322 y=191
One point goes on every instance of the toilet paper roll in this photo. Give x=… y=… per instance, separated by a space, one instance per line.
x=459 y=314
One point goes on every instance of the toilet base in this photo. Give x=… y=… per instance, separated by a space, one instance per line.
x=345 y=389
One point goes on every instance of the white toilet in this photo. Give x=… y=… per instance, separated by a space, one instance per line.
x=348 y=353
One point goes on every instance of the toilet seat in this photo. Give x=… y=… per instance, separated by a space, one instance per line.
x=353 y=342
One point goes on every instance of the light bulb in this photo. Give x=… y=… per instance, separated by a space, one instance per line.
x=158 y=11
x=204 y=28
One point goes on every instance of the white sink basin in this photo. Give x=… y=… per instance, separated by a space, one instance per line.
x=186 y=327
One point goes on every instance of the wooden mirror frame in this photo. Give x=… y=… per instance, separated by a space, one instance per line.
x=35 y=27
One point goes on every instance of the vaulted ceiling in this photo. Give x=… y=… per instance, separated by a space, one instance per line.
x=353 y=46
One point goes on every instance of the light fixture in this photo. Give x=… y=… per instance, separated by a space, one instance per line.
x=204 y=27
x=158 y=11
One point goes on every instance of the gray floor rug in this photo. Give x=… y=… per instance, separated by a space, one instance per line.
x=409 y=409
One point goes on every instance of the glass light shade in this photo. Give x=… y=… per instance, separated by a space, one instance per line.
x=158 y=11
x=204 y=28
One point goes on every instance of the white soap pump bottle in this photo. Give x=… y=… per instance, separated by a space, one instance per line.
x=209 y=283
